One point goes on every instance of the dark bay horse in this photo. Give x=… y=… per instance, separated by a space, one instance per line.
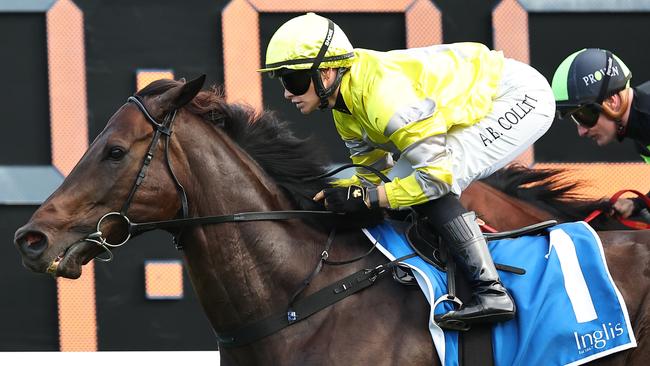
x=223 y=159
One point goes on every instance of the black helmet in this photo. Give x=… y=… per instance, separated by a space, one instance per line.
x=588 y=76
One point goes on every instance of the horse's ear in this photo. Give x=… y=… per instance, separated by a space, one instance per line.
x=189 y=91
x=178 y=96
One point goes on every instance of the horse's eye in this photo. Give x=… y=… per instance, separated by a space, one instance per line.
x=116 y=153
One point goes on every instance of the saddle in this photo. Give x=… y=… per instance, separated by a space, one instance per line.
x=475 y=345
x=428 y=245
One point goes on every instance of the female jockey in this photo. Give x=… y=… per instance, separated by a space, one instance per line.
x=456 y=112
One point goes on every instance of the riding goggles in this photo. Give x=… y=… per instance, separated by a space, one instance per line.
x=585 y=115
x=297 y=82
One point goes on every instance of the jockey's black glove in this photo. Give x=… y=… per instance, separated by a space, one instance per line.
x=352 y=199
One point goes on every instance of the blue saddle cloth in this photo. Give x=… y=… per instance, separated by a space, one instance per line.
x=569 y=310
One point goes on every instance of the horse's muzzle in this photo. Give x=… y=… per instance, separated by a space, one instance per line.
x=30 y=243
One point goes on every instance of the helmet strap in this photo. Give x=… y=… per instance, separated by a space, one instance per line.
x=621 y=130
x=323 y=92
x=609 y=63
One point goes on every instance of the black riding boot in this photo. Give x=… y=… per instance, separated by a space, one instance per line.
x=490 y=301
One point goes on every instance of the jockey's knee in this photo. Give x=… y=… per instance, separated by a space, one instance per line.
x=441 y=210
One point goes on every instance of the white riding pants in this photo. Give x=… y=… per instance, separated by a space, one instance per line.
x=522 y=112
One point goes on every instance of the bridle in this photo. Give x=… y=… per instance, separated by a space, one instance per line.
x=161 y=129
x=164 y=130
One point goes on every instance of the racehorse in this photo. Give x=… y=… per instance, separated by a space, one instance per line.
x=220 y=159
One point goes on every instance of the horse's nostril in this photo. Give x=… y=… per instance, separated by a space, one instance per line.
x=32 y=243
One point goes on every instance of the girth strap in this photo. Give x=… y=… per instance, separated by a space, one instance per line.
x=307 y=306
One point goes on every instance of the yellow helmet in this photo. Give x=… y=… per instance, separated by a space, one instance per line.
x=299 y=43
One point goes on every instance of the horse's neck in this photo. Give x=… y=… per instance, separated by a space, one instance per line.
x=241 y=270
x=232 y=182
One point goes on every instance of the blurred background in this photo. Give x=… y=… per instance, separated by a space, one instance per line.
x=70 y=64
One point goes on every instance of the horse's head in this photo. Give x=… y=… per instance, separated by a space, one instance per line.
x=64 y=233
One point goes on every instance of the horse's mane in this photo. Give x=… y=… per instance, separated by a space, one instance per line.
x=552 y=190
x=287 y=159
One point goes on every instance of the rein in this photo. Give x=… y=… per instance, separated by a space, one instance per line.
x=629 y=223
x=164 y=130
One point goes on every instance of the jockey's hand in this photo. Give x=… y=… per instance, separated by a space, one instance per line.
x=624 y=207
x=352 y=199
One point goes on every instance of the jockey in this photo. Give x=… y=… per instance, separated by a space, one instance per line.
x=592 y=88
x=455 y=112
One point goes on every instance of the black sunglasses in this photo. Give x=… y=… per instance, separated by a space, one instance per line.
x=585 y=115
x=296 y=82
